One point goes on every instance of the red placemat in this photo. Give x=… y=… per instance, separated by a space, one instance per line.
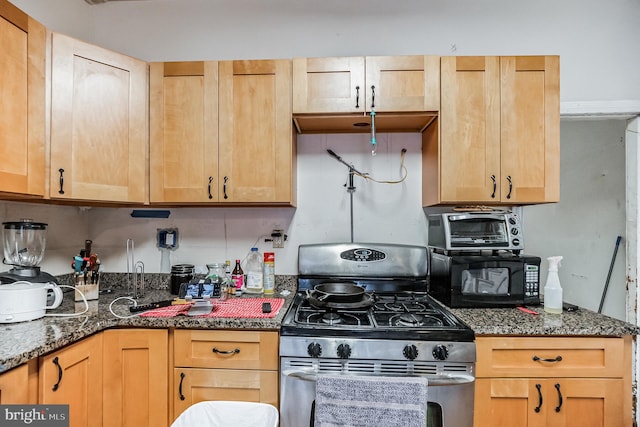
x=234 y=307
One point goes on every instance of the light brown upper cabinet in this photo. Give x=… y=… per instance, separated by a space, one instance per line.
x=99 y=125
x=183 y=123
x=335 y=94
x=22 y=103
x=256 y=149
x=497 y=139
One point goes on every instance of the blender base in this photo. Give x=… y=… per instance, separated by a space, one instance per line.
x=32 y=275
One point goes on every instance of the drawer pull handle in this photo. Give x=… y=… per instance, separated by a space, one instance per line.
x=557 y=386
x=234 y=351
x=180 y=386
x=57 y=363
x=541 y=359
x=537 y=408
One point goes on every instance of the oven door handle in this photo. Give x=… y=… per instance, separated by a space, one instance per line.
x=433 y=380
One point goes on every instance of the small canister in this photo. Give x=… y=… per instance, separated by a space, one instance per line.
x=180 y=273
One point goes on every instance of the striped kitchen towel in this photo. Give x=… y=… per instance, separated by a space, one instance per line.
x=354 y=401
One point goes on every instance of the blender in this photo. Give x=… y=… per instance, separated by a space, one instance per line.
x=24 y=243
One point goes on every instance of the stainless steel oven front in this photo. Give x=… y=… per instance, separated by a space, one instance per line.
x=450 y=384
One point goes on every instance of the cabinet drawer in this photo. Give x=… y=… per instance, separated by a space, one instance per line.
x=550 y=357
x=226 y=349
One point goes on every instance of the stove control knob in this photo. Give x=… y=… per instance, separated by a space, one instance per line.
x=344 y=351
x=440 y=352
x=314 y=349
x=410 y=352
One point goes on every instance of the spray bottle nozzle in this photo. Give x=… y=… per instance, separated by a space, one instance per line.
x=554 y=262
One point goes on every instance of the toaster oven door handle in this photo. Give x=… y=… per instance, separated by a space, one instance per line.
x=434 y=380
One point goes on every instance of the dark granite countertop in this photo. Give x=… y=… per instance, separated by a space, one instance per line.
x=20 y=342
x=512 y=321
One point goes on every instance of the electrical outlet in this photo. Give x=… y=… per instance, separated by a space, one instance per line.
x=278 y=237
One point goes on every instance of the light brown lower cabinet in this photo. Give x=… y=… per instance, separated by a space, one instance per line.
x=559 y=381
x=135 y=377
x=224 y=365
x=73 y=376
x=20 y=384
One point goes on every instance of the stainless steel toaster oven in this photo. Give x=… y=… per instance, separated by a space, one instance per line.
x=475 y=231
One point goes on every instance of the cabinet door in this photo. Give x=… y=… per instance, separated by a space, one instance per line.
x=22 y=102
x=530 y=129
x=256 y=147
x=19 y=385
x=196 y=385
x=594 y=402
x=470 y=130
x=73 y=376
x=135 y=377
x=328 y=85
x=98 y=123
x=183 y=122
x=586 y=402
x=402 y=83
x=510 y=402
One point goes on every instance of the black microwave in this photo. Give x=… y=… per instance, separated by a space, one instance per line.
x=496 y=280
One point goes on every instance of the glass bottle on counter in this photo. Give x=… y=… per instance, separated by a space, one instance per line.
x=231 y=287
x=217 y=277
x=255 y=274
x=237 y=276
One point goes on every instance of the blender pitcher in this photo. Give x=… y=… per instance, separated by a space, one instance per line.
x=24 y=243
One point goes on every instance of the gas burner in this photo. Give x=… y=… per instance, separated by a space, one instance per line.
x=404 y=306
x=332 y=318
x=336 y=318
x=414 y=319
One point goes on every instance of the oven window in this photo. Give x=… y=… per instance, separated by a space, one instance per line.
x=434 y=415
x=485 y=281
x=478 y=232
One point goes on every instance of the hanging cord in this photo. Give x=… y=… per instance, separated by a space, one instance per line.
x=403 y=168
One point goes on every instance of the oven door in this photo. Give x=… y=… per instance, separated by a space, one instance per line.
x=450 y=395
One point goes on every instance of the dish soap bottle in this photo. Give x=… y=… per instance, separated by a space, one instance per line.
x=552 y=289
x=255 y=279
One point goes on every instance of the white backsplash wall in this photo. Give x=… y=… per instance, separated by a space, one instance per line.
x=584 y=225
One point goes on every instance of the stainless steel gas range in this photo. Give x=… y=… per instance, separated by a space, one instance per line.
x=364 y=309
